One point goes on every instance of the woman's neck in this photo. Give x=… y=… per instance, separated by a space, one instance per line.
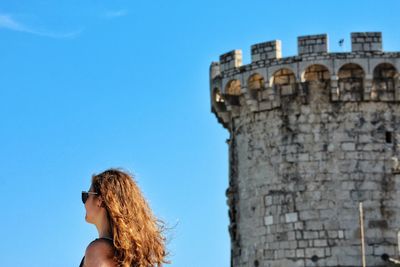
x=104 y=227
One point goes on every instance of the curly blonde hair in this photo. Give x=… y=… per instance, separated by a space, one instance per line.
x=137 y=234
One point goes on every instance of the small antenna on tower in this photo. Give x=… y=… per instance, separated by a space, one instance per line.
x=341 y=44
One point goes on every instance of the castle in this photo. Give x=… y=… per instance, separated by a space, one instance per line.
x=311 y=136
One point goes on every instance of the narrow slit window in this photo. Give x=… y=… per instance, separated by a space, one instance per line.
x=388 y=137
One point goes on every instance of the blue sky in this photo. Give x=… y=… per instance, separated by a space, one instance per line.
x=88 y=85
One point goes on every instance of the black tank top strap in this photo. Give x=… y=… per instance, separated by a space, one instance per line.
x=106 y=238
x=109 y=240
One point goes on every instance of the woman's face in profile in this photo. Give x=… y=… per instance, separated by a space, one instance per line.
x=91 y=207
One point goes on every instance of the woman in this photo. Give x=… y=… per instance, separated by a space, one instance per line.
x=129 y=234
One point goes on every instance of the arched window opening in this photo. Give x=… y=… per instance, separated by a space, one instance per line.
x=351 y=82
x=255 y=85
x=317 y=83
x=383 y=85
x=284 y=81
x=232 y=92
x=317 y=73
x=219 y=101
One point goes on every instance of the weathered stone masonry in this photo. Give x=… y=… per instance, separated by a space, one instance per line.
x=311 y=136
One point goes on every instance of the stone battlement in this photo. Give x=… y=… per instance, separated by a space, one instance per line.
x=364 y=74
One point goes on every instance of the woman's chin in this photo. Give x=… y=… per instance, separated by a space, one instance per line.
x=88 y=219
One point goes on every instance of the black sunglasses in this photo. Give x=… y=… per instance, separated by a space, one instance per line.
x=85 y=195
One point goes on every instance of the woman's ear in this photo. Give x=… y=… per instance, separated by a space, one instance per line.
x=99 y=202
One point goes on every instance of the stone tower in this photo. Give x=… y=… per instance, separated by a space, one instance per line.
x=311 y=136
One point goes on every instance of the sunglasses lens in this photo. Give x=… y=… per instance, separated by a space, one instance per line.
x=85 y=196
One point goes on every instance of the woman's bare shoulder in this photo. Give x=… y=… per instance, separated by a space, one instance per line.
x=99 y=253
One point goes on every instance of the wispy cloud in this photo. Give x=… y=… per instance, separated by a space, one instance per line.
x=10 y=23
x=116 y=13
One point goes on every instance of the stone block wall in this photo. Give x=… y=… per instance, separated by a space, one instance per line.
x=302 y=172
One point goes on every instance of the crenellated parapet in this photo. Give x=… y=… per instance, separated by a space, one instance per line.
x=364 y=74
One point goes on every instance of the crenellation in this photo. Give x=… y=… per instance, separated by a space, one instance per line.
x=231 y=60
x=366 y=41
x=266 y=51
x=312 y=44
